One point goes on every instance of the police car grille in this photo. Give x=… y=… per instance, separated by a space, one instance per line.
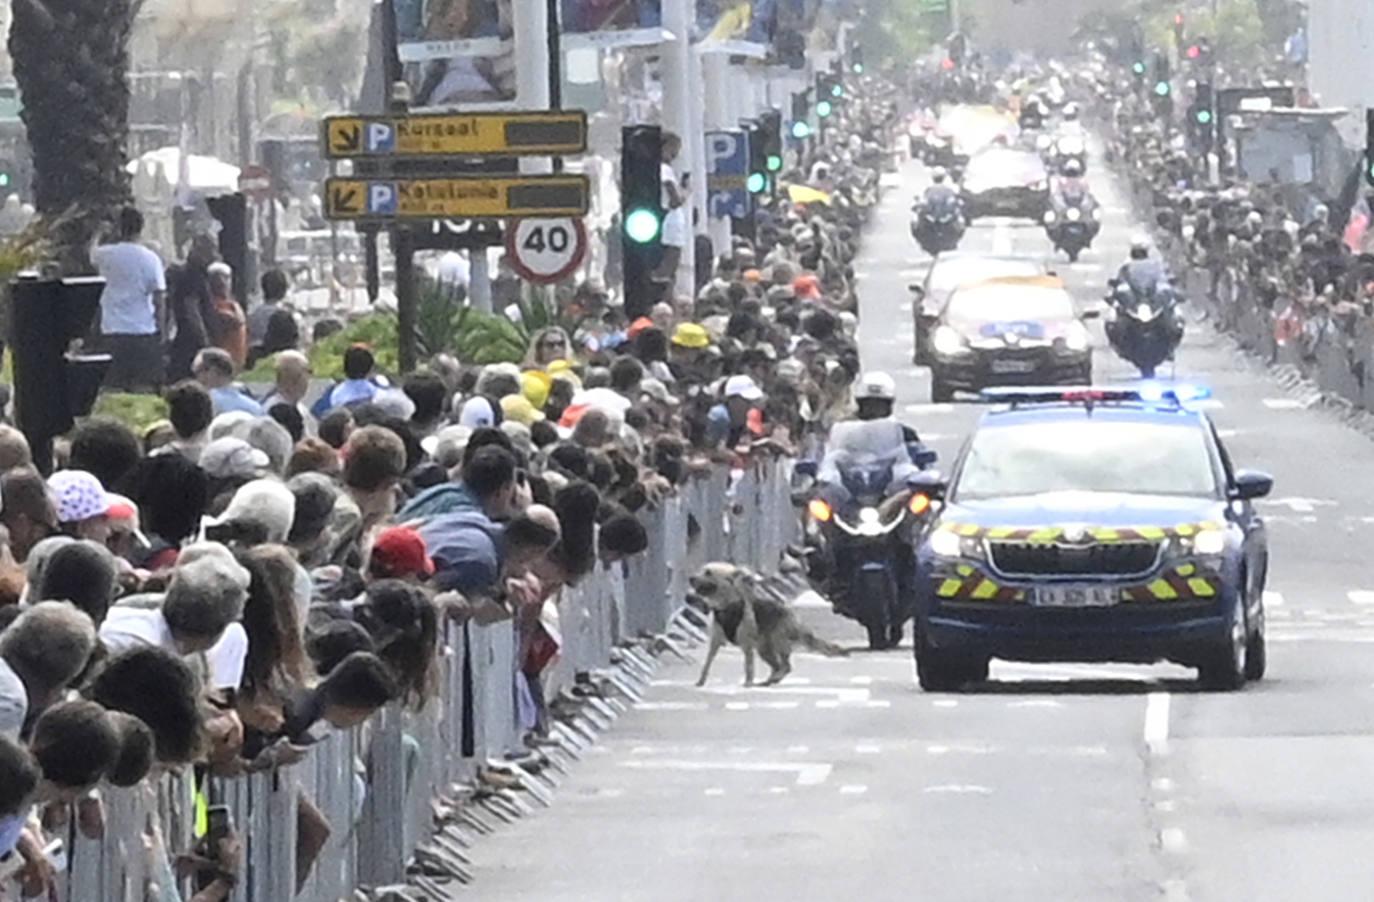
x=1117 y=559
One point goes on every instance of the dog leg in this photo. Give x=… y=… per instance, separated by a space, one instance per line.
x=717 y=640
x=748 y=643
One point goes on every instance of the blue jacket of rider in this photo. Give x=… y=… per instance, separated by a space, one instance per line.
x=1146 y=278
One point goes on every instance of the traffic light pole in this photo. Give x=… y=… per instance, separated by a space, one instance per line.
x=677 y=117
x=402 y=239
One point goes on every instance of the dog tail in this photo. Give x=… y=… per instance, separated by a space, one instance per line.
x=815 y=643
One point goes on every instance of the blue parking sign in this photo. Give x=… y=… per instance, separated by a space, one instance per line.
x=727 y=167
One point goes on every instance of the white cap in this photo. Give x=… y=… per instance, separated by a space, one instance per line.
x=742 y=387
x=876 y=385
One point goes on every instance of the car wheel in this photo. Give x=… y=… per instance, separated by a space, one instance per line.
x=1225 y=667
x=938 y=670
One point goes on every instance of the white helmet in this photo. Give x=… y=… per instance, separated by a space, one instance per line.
x=1140 y=244
x=938 y=174
x=879 y=386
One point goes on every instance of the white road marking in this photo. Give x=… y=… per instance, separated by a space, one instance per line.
x=1002 y=239
x=963 y=749
x=1036 y=703
x=1157 y=723
x=930 y=408
x=776 y=706
x=867 y=750
x=861 y=680
x=798 y=749
x=736 y=706
x=1227 y=433
x=1299 y=505
x=1273 y=599
x=945 y=703
x=1284 y=404
x=779 y=790
x=853 y=789
x=959 y=789
x=1360 y=596
x=714 y=791
x=1173 y=840
x=811 y=774
x=840 y=693
x=671 y=706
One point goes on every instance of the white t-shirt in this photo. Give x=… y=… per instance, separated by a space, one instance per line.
x=674 y=218
x=133 y=274
x=14 y=702
x=128 y=626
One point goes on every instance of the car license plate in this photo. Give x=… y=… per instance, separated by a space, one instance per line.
x=1005 y=367
x=1076 y=596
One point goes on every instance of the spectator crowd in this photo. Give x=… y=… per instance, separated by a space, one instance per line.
x=215 y=593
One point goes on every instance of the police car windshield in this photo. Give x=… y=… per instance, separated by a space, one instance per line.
x=1105 y=454
x=990 y=303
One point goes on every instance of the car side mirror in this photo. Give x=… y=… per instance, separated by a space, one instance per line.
x=928 y=482
x=1251 y=484
x=1091 y=313
x=806 y=468
x=921 y=456
x=917 y=290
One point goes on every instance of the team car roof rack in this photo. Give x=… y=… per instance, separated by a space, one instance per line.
x=1171 y=395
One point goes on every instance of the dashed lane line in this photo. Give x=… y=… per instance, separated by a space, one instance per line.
x=1157 y=723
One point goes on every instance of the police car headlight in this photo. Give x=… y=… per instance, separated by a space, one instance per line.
x=946 y=544
x=1077 y=338
x=1073 y=214
x=947 y=341
x=1050 y=217
x=1209 y=542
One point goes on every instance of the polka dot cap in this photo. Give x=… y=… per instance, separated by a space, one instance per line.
x=79 y=496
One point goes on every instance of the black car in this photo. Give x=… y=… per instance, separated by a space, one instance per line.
x=949 y=272
x=1014 y=331
x=1004 y=181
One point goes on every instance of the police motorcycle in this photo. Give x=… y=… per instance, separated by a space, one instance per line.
x=1072 y=221
x=937 y=222
x=1142 y=321
x=863 y=517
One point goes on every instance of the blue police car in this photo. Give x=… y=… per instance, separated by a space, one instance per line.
x=1093 y=524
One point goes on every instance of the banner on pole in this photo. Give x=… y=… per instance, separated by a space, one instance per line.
x=456 y=51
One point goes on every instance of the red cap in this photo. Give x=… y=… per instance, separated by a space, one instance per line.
x=639 y=325
x=399 y=551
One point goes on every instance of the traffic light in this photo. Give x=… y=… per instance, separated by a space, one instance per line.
x=801 y=111
x=770 y=123
x=8 y=177
x=1163 y=87
x=829 y=92
x=856 y=60
x=641 y=212
x=756 y=182
x=1203 y=116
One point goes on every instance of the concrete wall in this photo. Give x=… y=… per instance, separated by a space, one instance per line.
x=1042 y=26
x=1341 y=59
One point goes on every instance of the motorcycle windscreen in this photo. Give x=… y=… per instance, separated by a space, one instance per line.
x=865 y=453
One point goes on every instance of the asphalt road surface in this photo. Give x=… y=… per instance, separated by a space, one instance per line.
x=1051 y=782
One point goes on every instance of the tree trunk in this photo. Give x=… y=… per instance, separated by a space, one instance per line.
x=71 y=62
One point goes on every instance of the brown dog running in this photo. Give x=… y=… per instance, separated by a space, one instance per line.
x=745 y=614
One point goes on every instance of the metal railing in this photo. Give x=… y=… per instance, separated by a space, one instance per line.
x=383 y=787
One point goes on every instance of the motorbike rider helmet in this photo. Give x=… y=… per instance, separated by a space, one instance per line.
x=1140 y=247
x=938 y=175
x=1071 y=111
x=1073 y=169
x=876 y=386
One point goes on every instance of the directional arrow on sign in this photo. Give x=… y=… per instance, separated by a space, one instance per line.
x=346 y=138
x=346 y=200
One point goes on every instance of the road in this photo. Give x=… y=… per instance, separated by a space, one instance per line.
x=1048 y=783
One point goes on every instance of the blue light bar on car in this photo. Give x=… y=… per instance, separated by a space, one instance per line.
x=1148 y=393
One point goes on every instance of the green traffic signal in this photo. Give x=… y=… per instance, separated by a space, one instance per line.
x=4 y=179
x=800 y=130
x=642 y=226
x=774 y=162
x=1162 y=88
x=756 y=183
x=1204 y=117
x=837 y=90
x=1138 y=68
x=823 y=109
x=858 y=68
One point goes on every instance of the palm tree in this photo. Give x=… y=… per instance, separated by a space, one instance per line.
x=71 y=62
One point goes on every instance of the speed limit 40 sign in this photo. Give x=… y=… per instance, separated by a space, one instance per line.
x=545 y=251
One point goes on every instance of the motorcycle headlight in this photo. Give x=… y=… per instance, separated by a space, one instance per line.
x=1073 y=214
x=1143 y=312
x=1040 y=185
x=1093 y=214
x=947 y=341
x=1077 y=338
x=1050 y=217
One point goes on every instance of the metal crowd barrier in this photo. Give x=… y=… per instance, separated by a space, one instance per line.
x=378 y=786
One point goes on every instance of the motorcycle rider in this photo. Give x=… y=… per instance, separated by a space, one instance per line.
x=1072 y=190
x=1144 y=275
x=875 y=395
x=940 y=191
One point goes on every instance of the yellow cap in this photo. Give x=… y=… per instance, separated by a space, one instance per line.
x=534 y=385
x=518 y=408
x=691 y=335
